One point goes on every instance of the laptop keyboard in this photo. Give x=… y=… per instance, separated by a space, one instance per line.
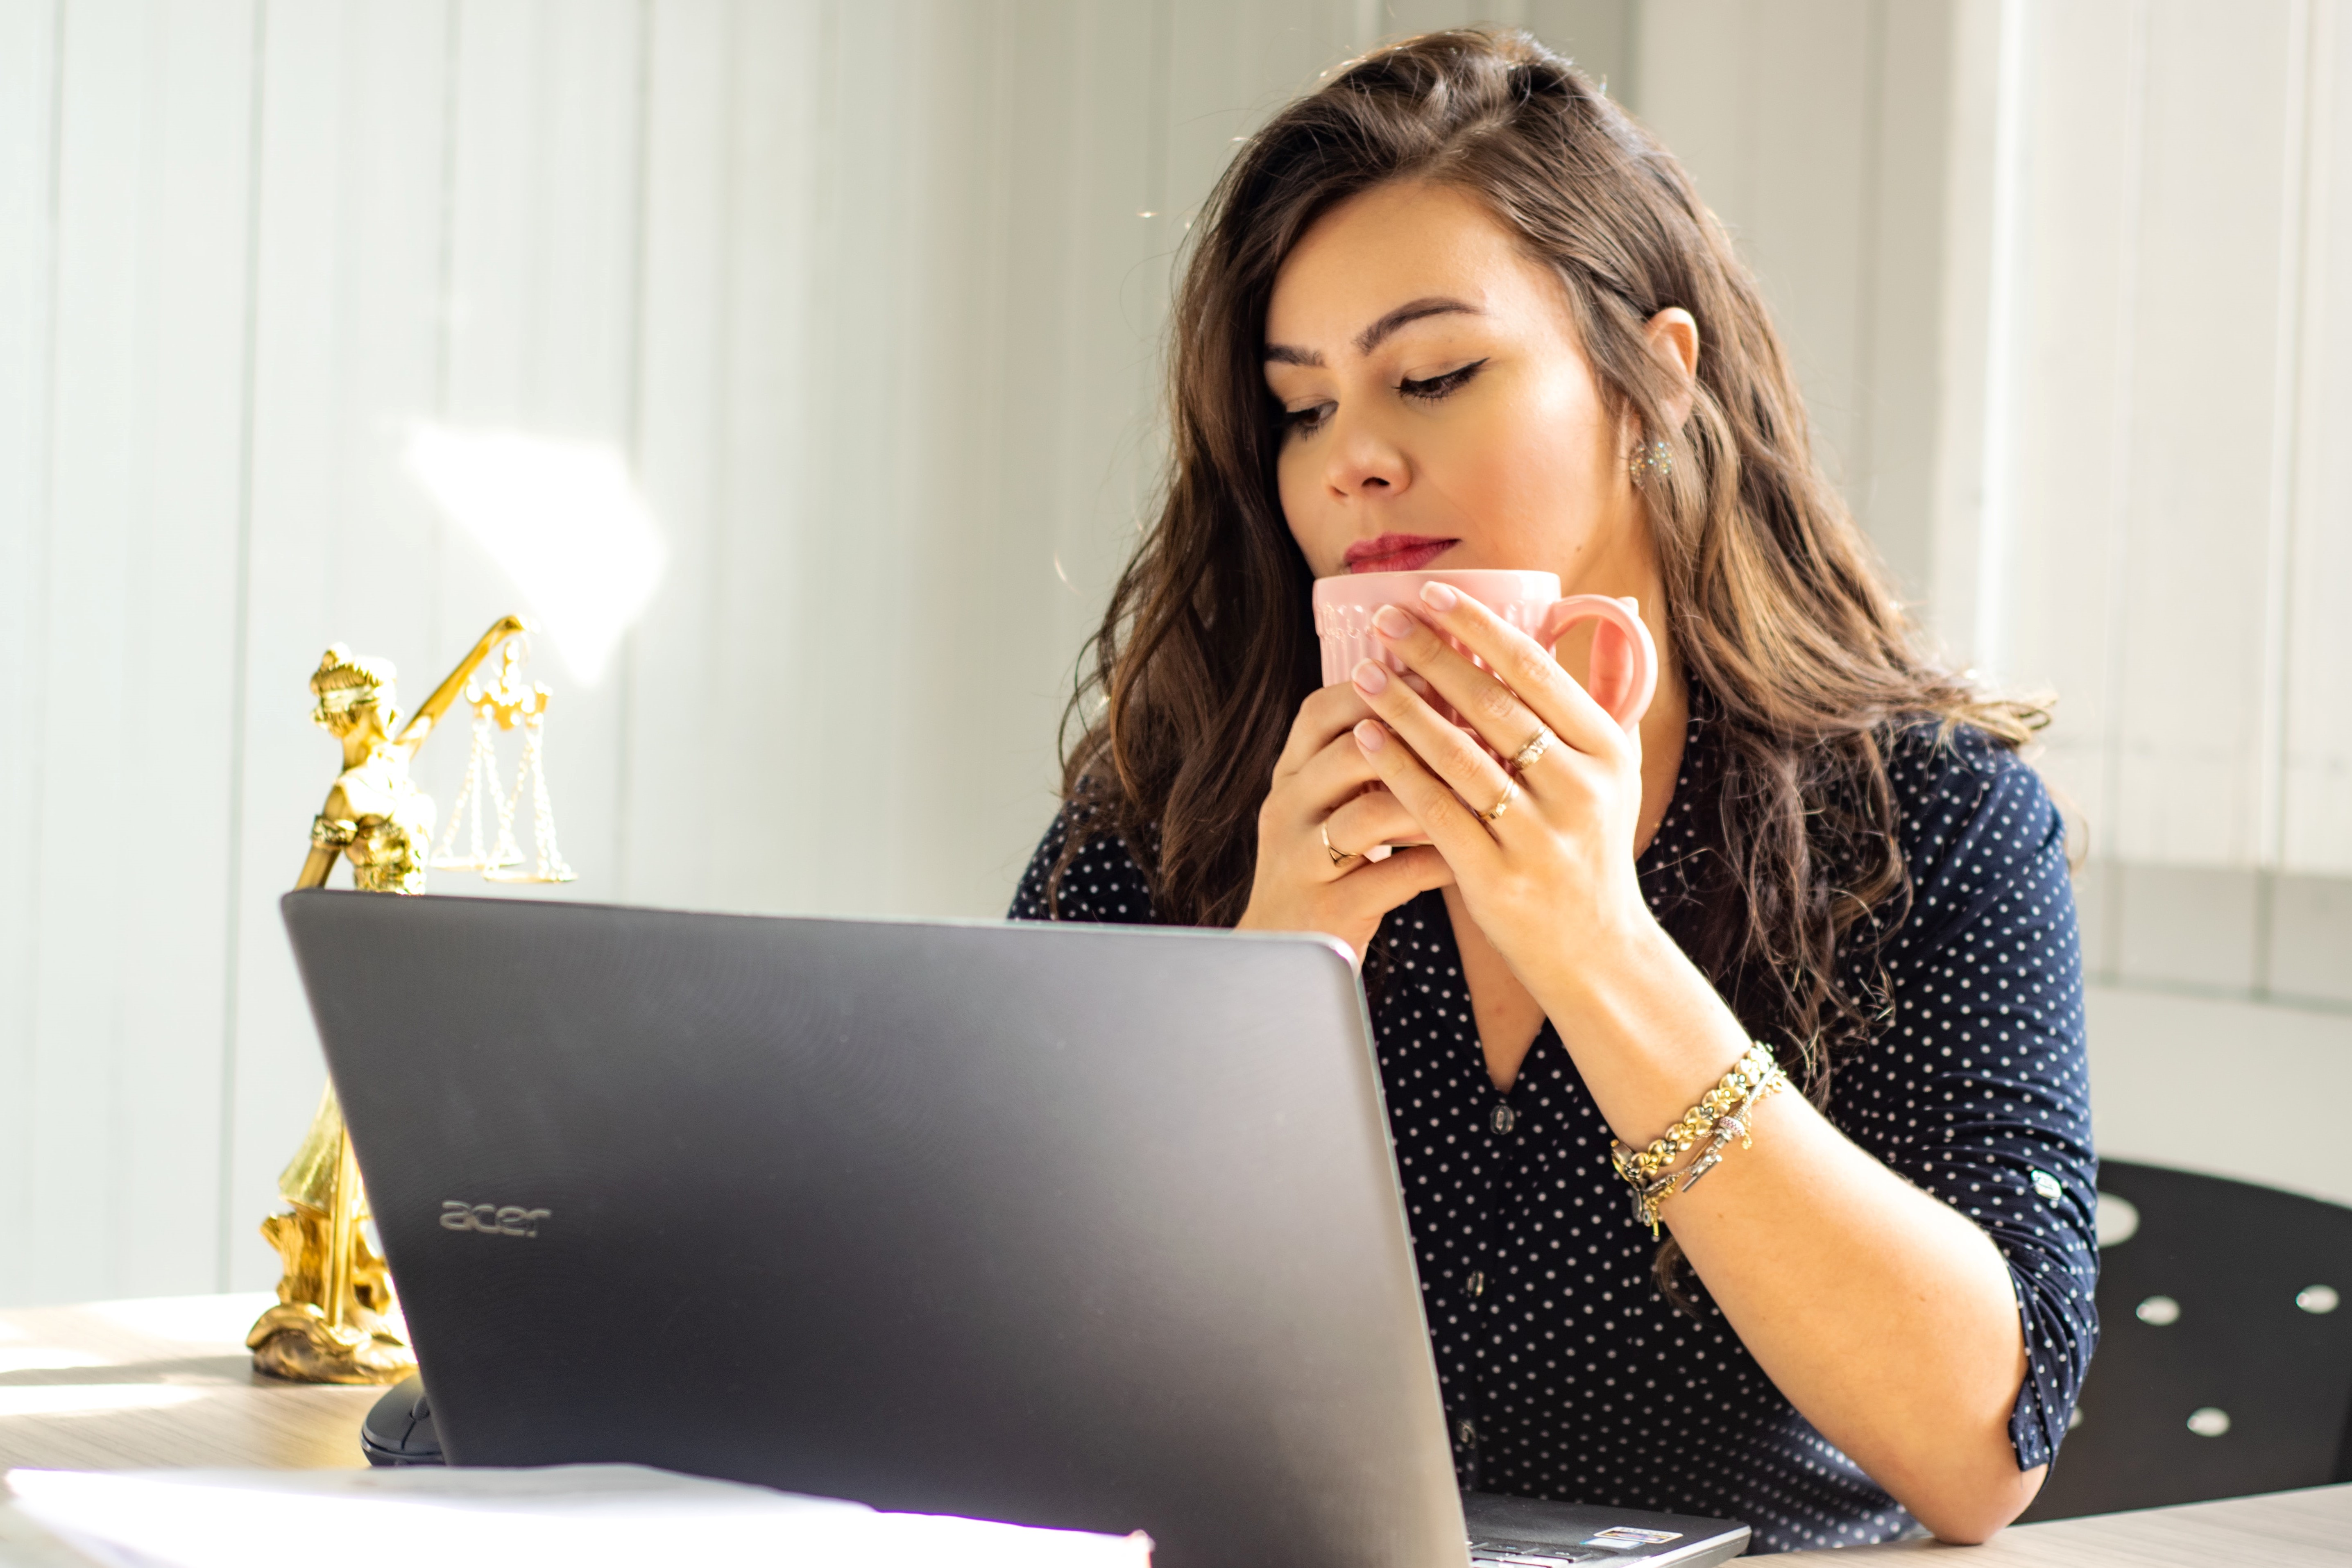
x=1528 y=1554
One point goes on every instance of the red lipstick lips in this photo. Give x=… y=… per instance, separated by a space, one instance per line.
x=1395 y=552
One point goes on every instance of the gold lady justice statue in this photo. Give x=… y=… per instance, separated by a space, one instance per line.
x=336 y=1319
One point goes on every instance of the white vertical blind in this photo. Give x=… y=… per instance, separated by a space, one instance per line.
x=2095 y=277
x=28 y=174
x=1816 y=129
x=2177 y=520
x=2315 y=807
x=1788 y=170
x=130 y=325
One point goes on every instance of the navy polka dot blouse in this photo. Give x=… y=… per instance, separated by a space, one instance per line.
x=1566 y=1375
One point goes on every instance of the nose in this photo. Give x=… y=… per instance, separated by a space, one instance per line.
x=1363 y=462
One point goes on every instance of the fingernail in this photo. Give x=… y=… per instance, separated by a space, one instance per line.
x=1439 y=597
x=1392 y=622
x=1370 y=736
x=1370 y=678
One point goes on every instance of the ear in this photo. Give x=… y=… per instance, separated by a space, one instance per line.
x=1673 y=335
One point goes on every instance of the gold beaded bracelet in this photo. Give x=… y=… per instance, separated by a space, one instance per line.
x=1721 y=1115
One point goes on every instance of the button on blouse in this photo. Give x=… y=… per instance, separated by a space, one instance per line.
x=1564 y=1374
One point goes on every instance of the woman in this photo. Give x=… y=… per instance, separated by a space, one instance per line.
x=1452 y=310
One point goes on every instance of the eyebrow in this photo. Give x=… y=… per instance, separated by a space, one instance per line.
x=1369 y=338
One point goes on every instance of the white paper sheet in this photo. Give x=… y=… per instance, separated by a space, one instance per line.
x=582 y=1515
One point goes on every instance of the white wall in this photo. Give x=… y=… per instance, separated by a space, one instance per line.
x=2218 y=1085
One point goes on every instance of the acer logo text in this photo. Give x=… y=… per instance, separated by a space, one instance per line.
x=491 y=1219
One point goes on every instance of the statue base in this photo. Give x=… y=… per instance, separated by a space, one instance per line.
x=296 y=1340
x=293 y=1339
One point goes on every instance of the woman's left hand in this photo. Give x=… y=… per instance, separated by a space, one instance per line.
x=1551 y=877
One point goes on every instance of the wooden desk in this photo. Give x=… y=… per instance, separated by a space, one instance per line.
x=153 y=1384
x=130 y=1386
x=2284 y=1530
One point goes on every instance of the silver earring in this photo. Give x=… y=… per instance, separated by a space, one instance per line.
x=1651 y=459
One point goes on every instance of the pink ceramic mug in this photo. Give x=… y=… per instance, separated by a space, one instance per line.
x=1624 y=669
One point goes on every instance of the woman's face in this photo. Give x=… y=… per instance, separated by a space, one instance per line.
x=1439 y=410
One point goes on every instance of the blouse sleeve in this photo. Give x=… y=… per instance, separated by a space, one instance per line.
x=1978 y=1089
x=1102 y=883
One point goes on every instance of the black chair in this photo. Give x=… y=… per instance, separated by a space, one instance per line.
x=2225 y=1351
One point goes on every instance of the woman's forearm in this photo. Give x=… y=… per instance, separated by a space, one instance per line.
x=1886 y=1317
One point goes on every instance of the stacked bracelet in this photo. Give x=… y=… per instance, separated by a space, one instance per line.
x=1721 y=1115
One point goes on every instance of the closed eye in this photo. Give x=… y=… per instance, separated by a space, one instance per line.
x=1437 y=386
x=1305 y=421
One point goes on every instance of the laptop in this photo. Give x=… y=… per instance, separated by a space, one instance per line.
x=1078 y=1226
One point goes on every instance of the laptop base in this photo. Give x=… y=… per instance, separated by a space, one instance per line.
x=1525 y=1532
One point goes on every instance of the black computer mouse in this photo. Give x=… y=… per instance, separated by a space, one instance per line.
x=399 y=1427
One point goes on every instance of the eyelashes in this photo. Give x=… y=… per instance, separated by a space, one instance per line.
x=1438 y=386
x=1435 y=388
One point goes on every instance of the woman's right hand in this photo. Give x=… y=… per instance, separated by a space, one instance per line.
x=1320 y=787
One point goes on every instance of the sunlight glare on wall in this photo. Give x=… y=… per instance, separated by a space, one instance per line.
x=562 y=519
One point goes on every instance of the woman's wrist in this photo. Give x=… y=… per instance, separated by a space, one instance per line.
x=1649 y=1034
x=1616 y=954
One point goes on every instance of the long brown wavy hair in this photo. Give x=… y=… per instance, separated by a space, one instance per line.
x=1797 y=648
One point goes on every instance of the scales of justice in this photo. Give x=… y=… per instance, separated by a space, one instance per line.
x=337 y=1319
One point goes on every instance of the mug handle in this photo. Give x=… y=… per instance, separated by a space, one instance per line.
x=1624 y=673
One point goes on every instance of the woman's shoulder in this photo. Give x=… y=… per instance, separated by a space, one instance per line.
x=1083 y=869
x=1973 y=817
x=1946 y=775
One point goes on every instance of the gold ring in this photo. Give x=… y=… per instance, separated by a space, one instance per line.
x=1510 y=794
x=1339 y=857
x=1535 y=748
